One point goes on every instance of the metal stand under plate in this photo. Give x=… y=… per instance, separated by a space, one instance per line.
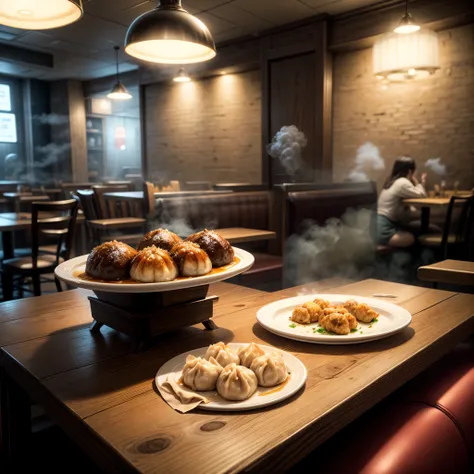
x=145 y=315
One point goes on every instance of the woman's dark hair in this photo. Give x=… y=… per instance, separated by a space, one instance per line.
x=401 y=167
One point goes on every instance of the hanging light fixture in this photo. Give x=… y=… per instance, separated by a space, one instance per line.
x=399 y=57
x=181 y=76
x=39 y=15
x=170 y=35
x=119 y=91
x=407 y=24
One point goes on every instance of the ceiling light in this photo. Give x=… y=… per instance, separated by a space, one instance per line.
x=119 y=91
x=399 y=57
x=36 y=15
x=407 y=24
x=181 y=76
x=169 y=35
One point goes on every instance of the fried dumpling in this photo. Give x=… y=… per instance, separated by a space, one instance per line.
x=270 y=369
x=219 y=249
x=110 y=261
x=161 y=238
x=301 y=315
x=200 y=374
x=336 y=323
x=236 y=382
x=351 y=320
x=322 y=303
x=191 y=259
x=248 y=353
x=222 y=353
x=362 y=311
x=315 y=311
x=153 y=264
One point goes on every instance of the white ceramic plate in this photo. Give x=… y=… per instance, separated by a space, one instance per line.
x=275 y=317
x=69 y=270
x=296 y=368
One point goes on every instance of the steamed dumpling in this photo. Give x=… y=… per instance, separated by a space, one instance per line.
x=248 y=353
x=161 y=238
x=191 y=259
x=223 y=354
x=152 y=265
x=270 y=369
x=200 y=374
x=219 y=249
x=236 y=382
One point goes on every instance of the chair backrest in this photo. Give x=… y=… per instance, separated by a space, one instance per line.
x=73 y=187
x=240 y=187
x=108 y=208
x=59 y=223
x=149 y=202
x=462 y=230
x=88 y=203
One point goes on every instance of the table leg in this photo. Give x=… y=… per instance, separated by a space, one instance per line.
x=15 y=412
x=7 y=243
x=425 y=220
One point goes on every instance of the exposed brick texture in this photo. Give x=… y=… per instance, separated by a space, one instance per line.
x=205 y=130
x=428 y=118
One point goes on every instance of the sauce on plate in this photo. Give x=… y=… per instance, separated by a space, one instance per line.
x=277 y=388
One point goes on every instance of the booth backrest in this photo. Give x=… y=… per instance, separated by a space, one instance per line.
x=250 y=209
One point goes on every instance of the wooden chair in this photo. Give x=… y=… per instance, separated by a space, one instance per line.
x=59 y=225
x=456 y=238
x=73 y=187
x=108 y=208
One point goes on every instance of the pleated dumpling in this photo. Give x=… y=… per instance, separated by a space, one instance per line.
x=248 y=353
x=236 y=382
x=270 y=369
x=223 y=354
x=200 y=374
x=152 y=265
x=191 y=259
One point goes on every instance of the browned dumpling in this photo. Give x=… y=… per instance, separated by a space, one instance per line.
x=362 y=311
x=110 y=261
x=152 y=265
x=315 y=311
x=301 y=315
x=219 y=249
x=161 y=238
x=336 y=323
x=191 y=259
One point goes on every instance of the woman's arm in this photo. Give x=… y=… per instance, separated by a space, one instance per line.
x=406 y=189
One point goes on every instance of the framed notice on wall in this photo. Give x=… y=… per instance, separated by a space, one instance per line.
x=5 y=100
x=7 y=128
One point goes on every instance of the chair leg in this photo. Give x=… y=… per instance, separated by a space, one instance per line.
x=36 y=284
x=7 y=286
x=58 y=284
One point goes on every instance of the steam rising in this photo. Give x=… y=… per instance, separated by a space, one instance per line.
x=341 y=247
x=435 y=165
x=367 y=159
x=287 y=145
x=51 y=119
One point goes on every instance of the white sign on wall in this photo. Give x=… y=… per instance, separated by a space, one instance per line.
x=5 y=100
x=7 y=128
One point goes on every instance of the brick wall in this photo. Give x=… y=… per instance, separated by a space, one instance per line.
x=428 y=118
x=205 y=130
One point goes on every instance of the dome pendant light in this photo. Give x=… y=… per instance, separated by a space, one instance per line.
x=407 y=24
x=119 y=91
x=181 y=76
x=39 y=15
x=169 y=35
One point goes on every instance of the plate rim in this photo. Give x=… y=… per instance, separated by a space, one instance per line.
x=335 y=339
x=231 y=408
x=64 y=273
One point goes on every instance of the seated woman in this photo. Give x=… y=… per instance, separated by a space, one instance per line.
x=392 y=213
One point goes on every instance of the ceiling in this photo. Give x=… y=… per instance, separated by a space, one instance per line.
x=84 y=50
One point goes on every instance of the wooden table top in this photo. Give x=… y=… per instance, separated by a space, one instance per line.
x=138 y=195
x=236 y=235
x=456 y=272
x=11 y=221
x=431 y=201
x=102 y=394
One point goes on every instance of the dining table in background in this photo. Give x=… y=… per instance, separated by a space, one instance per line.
x=454 y=272
x=427 y=203
x=139 y=196
x=17 y=199
x=102 y=394
x=238 y=235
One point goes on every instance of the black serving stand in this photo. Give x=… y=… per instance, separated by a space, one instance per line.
x=143 y=316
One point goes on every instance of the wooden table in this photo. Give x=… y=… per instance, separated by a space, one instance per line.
x=102 y=394
x=425 y=204
x=237 y=235
x=21 y=198
x=456 y=272
x=138 y=195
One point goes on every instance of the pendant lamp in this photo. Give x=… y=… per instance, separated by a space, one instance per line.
x=119 y=91
x=181 y=76
x=407 y=24
x=39 y=14
x=169 y=35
